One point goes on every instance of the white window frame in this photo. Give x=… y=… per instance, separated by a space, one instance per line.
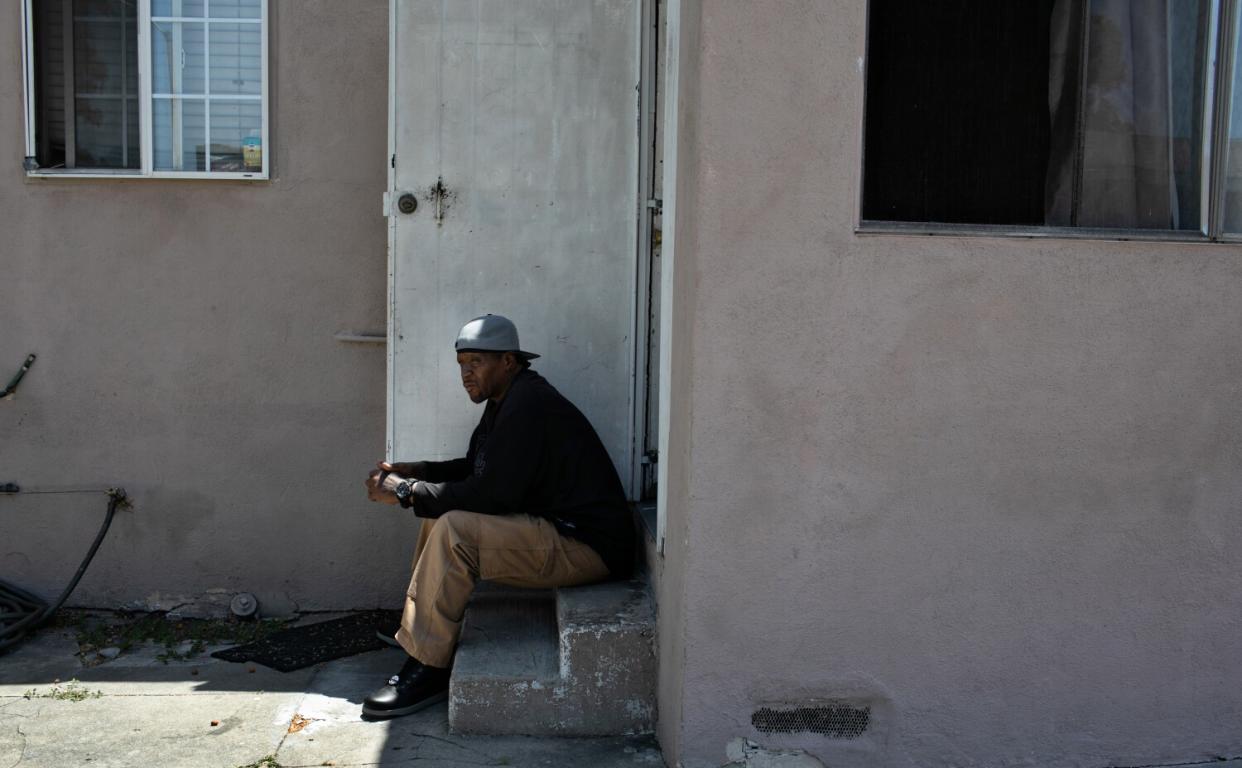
x=145 y=141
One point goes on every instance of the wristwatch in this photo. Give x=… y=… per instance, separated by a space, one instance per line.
x=405 y=493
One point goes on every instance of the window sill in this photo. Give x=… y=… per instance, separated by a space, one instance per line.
x=99 y=175
x=930 y=229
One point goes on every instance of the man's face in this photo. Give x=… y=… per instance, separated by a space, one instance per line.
x=486 y=375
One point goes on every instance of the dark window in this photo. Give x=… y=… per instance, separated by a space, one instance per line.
x=1078 y=113
x=86 y=82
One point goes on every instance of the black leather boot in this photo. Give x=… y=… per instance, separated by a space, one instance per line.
x=415 y=687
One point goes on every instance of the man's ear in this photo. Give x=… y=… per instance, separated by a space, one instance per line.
x=511 y=361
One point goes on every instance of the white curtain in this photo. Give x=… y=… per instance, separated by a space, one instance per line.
x=1114 y=150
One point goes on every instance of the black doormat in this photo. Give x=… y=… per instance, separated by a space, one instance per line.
x=299 y=647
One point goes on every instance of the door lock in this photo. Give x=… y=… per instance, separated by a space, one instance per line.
x=407 y=203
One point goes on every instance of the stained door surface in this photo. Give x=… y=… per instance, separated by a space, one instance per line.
x=513 y=126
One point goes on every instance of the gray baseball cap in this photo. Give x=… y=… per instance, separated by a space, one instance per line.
x=491 y=333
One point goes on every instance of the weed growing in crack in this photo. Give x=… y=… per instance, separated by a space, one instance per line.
x=73 y=691
x=263 y=762
x=123 y=631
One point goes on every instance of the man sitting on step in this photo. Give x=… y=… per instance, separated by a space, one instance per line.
x=536 y=502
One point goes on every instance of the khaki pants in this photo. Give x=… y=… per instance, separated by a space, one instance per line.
x=459 y=548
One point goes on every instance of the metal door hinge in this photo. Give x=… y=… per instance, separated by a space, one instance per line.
x=656 y=204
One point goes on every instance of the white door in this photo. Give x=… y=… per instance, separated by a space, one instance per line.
x=513 y=126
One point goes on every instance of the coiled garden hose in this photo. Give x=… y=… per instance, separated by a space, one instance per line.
x=21 y=612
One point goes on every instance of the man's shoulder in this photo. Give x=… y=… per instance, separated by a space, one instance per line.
x=531 y=392
x=529 y=386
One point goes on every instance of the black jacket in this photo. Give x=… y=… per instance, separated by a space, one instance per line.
x=535 y=453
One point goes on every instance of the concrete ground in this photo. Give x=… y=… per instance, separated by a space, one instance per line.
x=135 y=710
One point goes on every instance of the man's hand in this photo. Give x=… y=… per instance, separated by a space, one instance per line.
x=410 y=469
x=382 y=484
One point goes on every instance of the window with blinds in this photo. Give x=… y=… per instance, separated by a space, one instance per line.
x=166 y=88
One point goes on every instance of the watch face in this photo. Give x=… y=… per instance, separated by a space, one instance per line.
x=404 y=489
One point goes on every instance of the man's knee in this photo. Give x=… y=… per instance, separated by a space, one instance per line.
x=456 y=527
x=449 y=536
x=454 y=538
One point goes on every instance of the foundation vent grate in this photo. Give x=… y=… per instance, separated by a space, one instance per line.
x=834 y=720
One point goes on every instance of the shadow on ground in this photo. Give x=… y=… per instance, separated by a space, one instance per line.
x=204 y=712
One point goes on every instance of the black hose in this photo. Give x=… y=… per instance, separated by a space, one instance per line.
x=17 y=378
x=22 y=613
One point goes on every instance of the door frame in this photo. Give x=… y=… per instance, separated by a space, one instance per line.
x=390 y=166
x=645 y=212
x=676 y=70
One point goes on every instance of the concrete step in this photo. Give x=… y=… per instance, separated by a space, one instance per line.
x=578 y=661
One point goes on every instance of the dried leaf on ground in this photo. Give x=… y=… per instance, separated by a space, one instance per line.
x=299 y=722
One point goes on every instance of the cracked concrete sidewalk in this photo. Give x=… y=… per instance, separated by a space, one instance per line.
x=151 y=713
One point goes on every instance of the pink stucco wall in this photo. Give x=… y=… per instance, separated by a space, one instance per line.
x=185 y=341
x=989 y=485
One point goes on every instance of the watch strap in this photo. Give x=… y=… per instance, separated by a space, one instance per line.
x=407 y=501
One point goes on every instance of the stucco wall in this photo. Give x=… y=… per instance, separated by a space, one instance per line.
x=184 y=333
x=990 y=486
